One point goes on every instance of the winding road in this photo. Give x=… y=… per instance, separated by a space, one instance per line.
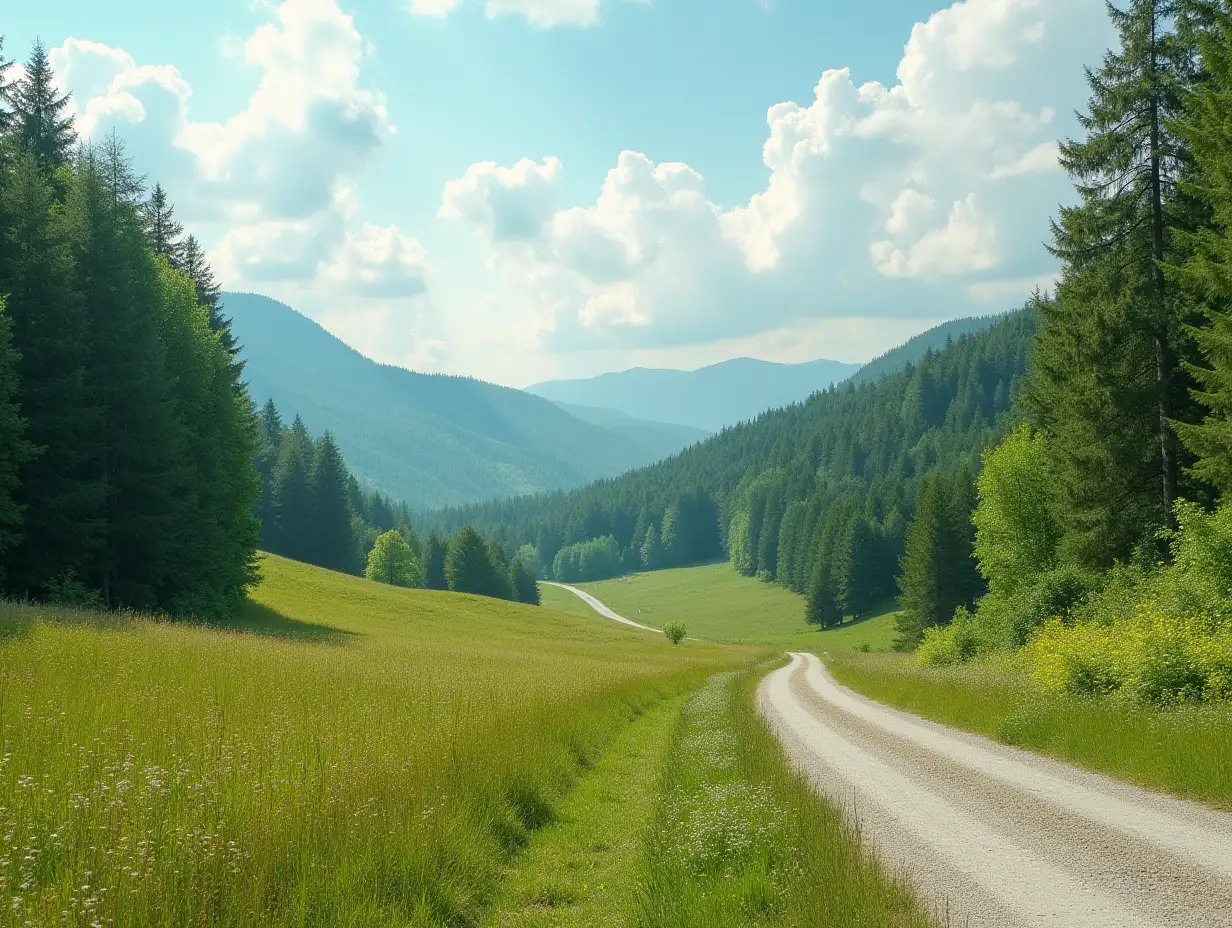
x=996 y=836
x=993 y=836
x=602 y=609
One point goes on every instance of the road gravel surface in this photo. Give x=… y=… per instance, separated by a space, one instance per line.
x=602 y=609
x=996 y=836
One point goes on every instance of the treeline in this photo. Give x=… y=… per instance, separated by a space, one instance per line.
x=126 y=434
x=1104 y=529
x=817 y=496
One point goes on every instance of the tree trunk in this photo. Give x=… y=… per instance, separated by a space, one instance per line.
x=1163 y=359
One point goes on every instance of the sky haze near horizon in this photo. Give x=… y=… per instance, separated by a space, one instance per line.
x=522 y=190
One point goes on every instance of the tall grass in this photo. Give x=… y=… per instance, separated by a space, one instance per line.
x=1185 y=750
x=367 y=756
x=740 y=839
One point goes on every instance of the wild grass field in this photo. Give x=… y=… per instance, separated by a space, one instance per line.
x=1183 y=750
x=718 y=603
x=344 y=754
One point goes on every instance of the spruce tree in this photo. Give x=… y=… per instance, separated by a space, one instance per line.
x=269 y=441
x=6 y=91
x=1107 y=380
x=651 y=554
x=1207 y=272
x=668 y=536
x=525 y=584
x=435 y=552
x=857 y=565
x=161 y=227
x=332 y=542
x=468 y=567
x=46 y=130
x=15 y=450
x=292 y=495
x=209 y=293
x=138 y=448
x=61 y=489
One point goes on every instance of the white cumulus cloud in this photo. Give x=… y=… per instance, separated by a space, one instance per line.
x=277 y=177
x=542 y=14
x=926 y=198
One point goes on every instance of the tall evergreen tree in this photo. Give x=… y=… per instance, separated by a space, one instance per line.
x=61 y=489
x=1107 y=380
x=468 y=565
x=45 y=128
x=525 y=584
x=333 y=544
x=858 y=566
x=292 y=494
x=209 y=293
x=269 y=442
x=436 y=551
x=15 y=450
x=161 y=227
x=1207 y=272
x=138 y=449
x=651 y=555
x=6 y=91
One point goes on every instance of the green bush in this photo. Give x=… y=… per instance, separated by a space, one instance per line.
x=956 y=643
x=675 y=631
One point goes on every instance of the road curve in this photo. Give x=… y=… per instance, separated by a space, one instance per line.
x=995 y=836
x=602 y=609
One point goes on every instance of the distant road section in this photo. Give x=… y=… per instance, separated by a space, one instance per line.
x=602 y=609
x=996 y=836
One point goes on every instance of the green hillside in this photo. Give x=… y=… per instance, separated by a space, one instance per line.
x=427 y=439
x=348 y=754
x=912 y=350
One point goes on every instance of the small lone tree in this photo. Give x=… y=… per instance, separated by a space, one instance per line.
x=393 y=562
x=675 y=632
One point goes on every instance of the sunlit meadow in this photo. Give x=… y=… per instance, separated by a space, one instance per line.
x=348 y=754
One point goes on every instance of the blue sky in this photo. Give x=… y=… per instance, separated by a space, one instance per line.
x=427 y=177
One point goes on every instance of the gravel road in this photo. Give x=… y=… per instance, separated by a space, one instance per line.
x=995 y=836
x=602 y=609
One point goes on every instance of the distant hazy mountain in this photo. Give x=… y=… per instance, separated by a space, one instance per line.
x=710 y=398
x=427 y=439
x=912 y=350
x=663 y=439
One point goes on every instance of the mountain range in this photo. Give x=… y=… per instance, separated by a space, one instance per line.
x=428 y=439
x=433 y=440
x=709 y=399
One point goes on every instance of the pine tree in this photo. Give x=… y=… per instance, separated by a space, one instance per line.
x=651 y=554
x=468 y=566
x=138 y=449
x=525 y=584
x=15 y=450
x=292 y=494
x=435 y=552
x=857 y=565
x=209 y=293
x=332 y=542
x=668 y=536
x=269 y=441
x=46 y=131
x=1207 y=274
x=923 y=599
x=6 y=91
x=161 y=227
x=61 y=491
x=1106 y=379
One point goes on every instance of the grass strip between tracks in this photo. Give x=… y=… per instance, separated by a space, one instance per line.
x=741 y=839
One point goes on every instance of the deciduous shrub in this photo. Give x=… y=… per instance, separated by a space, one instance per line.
x=675 y=631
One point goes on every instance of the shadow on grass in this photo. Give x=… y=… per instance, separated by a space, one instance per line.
x=257 y=619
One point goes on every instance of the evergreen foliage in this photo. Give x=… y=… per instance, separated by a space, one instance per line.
x=43 y=126
x=1108 y=374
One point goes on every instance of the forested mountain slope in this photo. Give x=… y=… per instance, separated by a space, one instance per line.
x=850 y=448
x=912 y=350
x=430 y=440
x=710 y=398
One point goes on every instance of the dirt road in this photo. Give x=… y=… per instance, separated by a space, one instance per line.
x=995 y=836
x=601 y=608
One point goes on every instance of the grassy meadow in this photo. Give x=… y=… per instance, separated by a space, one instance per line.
x=718 y=603
x=1182 y=750
x=344 y=754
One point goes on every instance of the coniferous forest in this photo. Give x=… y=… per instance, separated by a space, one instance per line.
x=134 y=471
